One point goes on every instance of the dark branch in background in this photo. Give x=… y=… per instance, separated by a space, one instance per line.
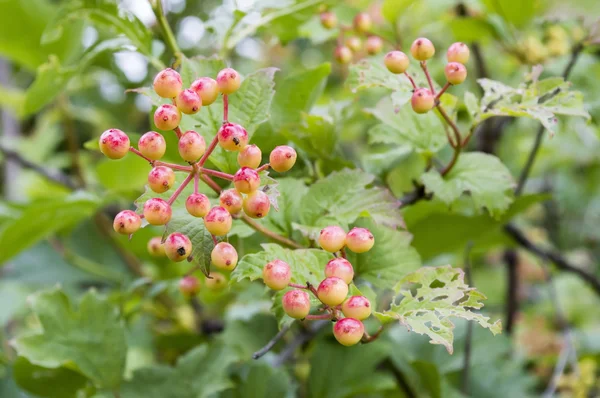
x=512 y=287
x=271 y=342
x=305 y=335
x=413 y=197
x=400 y=378
x=10 y=128
x=469 y=337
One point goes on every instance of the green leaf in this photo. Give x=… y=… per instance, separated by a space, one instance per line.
x=314 y=135
x=471 y=29
x=43 y=382
x=482 y=176
x=517 y=12
x=260 y=380
x=371 y=72
x=199 y=66
x=89 y=340
x=392 y=9
x=290 y=201
x=440 y=293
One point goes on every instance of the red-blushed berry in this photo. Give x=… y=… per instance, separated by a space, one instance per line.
x=167 y=117
x=354 y=44
x=342 y=55
x=422 y=49
x=422 y=101
x=455 y=72
x=127 y=222
x=348 y=331
x=328 y=19
x=191 y=146
x=246 y=180
x=231 y=200
x=161 y=179
x=362 y=22
x=224 y=256
x=332 y=238
x=197 y=204
x=207 y=89
x=215 y=281
x=232 y=137
x=250 y=156
x=282 y=158
x=458 y=52
x=257 y=204
x=167 y=83
x=188 y=101
x=374 y=45
x=218 y=221
x=155 y=247
x=114 y=144
x=152 y=145
x=360 y=240
x=229 y=81
x=296 y=304
x=277 y=274
x=157 y=211
x=189 y=286
x=396 y=61
x=340 y=268
x=178 y=247
x=357 y=307
x=332 y=291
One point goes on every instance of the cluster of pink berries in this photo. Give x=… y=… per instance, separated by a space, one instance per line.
x=422 y=49
x=332 y=292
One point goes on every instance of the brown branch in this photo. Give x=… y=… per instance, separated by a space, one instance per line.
x=271 y=343
x=512 y=288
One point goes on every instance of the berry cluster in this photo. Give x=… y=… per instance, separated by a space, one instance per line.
x=332 y=292
x=245 y=199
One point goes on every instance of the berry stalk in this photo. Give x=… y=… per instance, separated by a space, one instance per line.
x=446 y=87
x=428 y=76
x=225 y=108
x=181 y=188
x=215 y=173
x=178 y=132
x=411 y=80
x=209 y=150
x=133 y=150
x=316 y=317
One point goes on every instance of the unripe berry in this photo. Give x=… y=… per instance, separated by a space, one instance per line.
x=188 y=102
x=152 y=145
x=114 y=144
x=215 y=281
x=167 y=117
x=332 y=291
x=328 y=19
x=360 y=240
x=191 y=146
x=257 y=204
x=246 y=180
x=340 y=268
x=348 y=331
x=189 y=286
x=296 y=304
x=127 y=222
x=157 y=211
x=357 y=307
x=207 y=89
x=455 y=72
x=250 y=156
x=282 y=158
x=422 y=49
x=218 y=221
x=354 y=44
x=396 y=62
x=232 y=137
x=374 y=45
x=342 y=54
x=277 y=274
x=161 y=179
x=229 y=81
x=332 y=238
x=167 y=83
x=422 y=100
x=458 y=52
x=178 y=247
x=224 y=256
x=197 y=204
x=155 y=247
x=231 y=200
x=362 y=22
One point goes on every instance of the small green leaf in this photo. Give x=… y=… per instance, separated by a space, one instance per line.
x=472 y=29
x=392 y=9
x=43 y=382
x=372 y=72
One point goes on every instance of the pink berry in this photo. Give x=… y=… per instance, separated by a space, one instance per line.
x=328 y=19
x=257 y=204
x=455 y=72
x=178 y=247
x=362 y=22
x=422 y=100
x=188 y=102
x=458 y=52
x=282 y=158
x=340 y=268
x=207 y=89
x=246 y=180
x=157 y=211
x=342 y=55
x=332 y=238
x=374 y=45
x=360 y=240
x=114 y=144
x=152 y=145
x=332 y=291
x=215 y=281
x=296 y=304
x=224 y=256
x=348 y=331
x=161 y=179
x=167 y=117
x=250 y=156
x=354 y=44
x=396 y=62
x=197 y=204
x=231 y=200
x=357 y=307
x=229 y=81
x=277 y=274
x=155 y=247
x=232 y=137
x=189 y=286
x=422 y=49
x=127 y=222
x=218 y=221
x=191 y=146
x=167 y=83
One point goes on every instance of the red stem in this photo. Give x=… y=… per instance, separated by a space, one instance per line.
x=316 y=317
x=210 y=149
x=411 y=80
x=297 y=286
x=225 y=108
x=211 y=183
x=215 y=173
x=196 y=182
x=174 y=166
x=181 y=188
x=177 y=131
x=426 y=71
x=369 y=338
x=214 y=238
x=446 y=86
x=132 y=149
x=263 y=167
x=343 y=252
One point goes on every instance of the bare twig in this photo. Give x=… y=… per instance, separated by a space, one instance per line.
x=271 y=343
x=301 y=338
x=512 y=287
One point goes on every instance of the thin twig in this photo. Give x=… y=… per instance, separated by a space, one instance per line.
x=169 y=37
x=271 y=343
x=72 y=142
x=209 y=150
x=301 y=338
x=426 y=71
x=469 y=337
x=181 y=188
x=512 y=288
